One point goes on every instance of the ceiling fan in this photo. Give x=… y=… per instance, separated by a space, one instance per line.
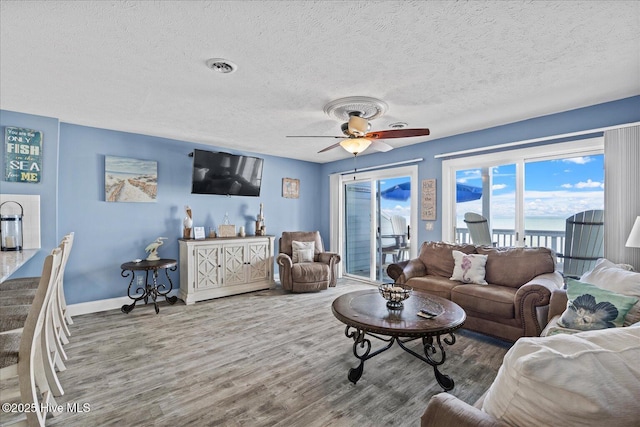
x=359 y=110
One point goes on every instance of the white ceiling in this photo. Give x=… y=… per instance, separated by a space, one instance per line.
x=139 y=66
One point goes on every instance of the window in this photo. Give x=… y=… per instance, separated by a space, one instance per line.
x=525 y=194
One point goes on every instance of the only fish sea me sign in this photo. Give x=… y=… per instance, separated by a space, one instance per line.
x=23 y=155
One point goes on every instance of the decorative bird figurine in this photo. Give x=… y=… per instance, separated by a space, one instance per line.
x=152 y=248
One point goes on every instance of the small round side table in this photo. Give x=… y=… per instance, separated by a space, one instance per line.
x=143 y=289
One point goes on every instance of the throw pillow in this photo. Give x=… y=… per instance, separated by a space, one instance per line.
x=469 y=268
x=590 y=307
x=612 y=277
x=587 y=379
x=301 y=251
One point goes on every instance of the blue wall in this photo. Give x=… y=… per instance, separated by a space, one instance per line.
x=108 y=234
x=47 y=188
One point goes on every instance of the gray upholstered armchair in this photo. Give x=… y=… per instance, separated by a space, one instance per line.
x=310 y=269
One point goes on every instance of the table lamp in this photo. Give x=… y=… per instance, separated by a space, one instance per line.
x=634 y=237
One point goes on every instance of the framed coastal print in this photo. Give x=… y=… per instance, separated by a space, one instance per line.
x=23 y=155
x=130 y=180
x=290 y=188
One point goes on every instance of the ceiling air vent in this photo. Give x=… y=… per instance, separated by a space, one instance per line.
x=221 y=65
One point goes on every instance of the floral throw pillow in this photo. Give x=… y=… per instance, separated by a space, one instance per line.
x=590 y=307
x=302 y=251
x=469 y=268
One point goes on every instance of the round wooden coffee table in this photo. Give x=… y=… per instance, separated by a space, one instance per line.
x=366 y=315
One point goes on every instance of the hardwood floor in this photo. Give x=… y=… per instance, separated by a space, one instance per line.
x=267 y=358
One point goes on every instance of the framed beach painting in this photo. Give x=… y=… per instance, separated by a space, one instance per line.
x=130 y=180
x=290 y=188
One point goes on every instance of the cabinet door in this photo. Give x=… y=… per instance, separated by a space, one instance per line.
x=258 y=261
x=234 y=264
x=208 y=267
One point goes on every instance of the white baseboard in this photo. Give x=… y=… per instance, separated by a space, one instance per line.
x=113 y=303
x=103 y=305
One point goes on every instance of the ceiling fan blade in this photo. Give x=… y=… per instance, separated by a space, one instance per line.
x=380 y=146
x=314 y=136
x=397 y=133
x=331 y=147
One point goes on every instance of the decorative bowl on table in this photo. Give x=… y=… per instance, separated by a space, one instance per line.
x=394 y=294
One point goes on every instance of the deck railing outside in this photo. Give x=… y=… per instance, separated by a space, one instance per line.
x=534 y=238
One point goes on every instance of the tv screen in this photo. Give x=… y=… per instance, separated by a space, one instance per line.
x=226 y=174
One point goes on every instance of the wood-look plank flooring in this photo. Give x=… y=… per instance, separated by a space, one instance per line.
x=266 y=358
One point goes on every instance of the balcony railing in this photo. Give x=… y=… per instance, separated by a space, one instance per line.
x=533 y=238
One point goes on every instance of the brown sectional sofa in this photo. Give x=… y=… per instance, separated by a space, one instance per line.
x=513 y=304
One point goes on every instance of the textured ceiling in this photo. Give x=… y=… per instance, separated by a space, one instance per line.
x=139 y=66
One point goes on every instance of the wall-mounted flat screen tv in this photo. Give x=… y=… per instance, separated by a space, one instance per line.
x=226 y=174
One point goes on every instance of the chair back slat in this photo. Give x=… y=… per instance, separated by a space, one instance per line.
x=478 y=228
x=584 y=242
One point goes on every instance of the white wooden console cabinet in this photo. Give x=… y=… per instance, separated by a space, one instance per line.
x=218 y=267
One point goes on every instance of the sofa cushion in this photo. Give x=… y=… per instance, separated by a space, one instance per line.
x=490 y=299
x=588 y=379
x=516 y=266
x=438 y=257
x=435 y=285
x=469 y=268
x=591 y=307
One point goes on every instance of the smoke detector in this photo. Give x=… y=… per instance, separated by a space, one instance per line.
x=221 y=65
x=398 y=125
x=363 y=106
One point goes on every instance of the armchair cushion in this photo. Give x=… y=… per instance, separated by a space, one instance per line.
x=302 y=251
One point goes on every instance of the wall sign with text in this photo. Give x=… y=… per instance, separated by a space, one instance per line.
x=23 y=155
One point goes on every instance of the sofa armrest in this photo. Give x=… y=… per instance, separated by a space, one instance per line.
x=446 y=410
x=405 y=270
x=557 y=304
x=532 y=301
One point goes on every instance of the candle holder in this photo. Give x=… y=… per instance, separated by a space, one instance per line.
x=11 y=229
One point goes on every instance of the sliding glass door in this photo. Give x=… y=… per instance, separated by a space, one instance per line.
x=378 y=215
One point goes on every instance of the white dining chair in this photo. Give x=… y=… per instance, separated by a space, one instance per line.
x=22 y=355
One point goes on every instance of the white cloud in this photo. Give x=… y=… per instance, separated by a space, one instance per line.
x=499 y=186
x=566 y=186
x=590 y=184
x=578 y=160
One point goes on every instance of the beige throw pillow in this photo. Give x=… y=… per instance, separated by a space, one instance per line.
x=302 y=251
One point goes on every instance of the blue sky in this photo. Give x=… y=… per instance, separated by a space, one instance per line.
x=554 y=189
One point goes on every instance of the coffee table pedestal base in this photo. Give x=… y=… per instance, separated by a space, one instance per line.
x=433 y=355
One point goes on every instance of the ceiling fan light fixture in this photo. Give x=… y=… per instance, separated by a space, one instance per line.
x=357 y=125
x=355 y=146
